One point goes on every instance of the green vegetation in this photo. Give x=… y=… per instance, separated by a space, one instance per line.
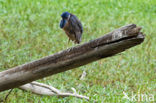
x=29 y=30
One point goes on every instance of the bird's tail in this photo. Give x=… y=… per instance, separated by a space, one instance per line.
x=78 y=38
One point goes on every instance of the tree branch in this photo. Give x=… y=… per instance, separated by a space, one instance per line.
x=106 y=46
x=43 y=89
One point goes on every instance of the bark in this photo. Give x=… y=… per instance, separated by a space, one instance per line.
x=108 y=45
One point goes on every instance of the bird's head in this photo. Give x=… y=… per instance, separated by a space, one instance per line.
x=65 y=17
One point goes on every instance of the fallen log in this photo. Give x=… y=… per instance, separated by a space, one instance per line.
x=110 y=44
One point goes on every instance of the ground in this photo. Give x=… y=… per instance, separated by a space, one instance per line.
x=29 y=30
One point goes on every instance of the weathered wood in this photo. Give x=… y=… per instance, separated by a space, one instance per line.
x=43 y=89
x=108 y=45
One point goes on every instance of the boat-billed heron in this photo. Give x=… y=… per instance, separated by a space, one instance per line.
x=72 y=27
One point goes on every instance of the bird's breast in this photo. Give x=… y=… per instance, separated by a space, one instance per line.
x=66 y=26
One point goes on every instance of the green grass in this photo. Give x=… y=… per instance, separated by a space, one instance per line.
x=29 y=30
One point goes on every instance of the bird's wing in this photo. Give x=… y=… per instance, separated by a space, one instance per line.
x=76 y=27
x=75 y=22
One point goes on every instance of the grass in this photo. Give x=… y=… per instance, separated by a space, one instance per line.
x=29 y=30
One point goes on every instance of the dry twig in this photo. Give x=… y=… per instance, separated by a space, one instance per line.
x=43 y=89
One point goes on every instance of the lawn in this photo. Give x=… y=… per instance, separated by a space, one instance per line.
x=29 y=30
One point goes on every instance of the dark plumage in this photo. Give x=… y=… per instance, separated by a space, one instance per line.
x=72 y=26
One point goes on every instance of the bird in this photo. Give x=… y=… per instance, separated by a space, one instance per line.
x=72 y=27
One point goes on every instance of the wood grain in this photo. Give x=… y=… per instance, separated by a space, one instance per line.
x=108 y=45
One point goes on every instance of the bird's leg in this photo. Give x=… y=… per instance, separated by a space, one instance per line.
x=68 y=41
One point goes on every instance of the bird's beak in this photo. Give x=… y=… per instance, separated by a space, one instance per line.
x=63 y=23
